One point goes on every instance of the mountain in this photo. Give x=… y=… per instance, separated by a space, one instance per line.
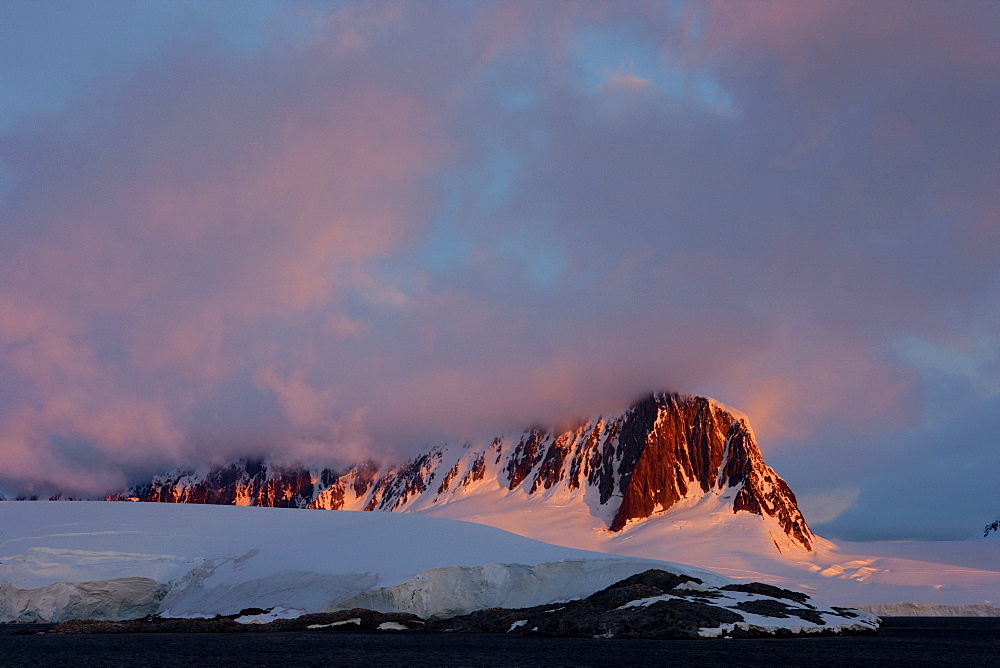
x=992 y=528
x=665 y=455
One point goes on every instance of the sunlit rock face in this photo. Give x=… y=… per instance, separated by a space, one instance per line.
x=664 y=450
x=246 y=482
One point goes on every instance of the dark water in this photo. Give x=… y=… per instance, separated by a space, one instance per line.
x=903 y=641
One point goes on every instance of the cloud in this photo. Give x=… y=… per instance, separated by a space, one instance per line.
x=389 y=224
x=156 y=250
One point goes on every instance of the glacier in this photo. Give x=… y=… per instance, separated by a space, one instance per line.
x=117 y=561
x=106 y=560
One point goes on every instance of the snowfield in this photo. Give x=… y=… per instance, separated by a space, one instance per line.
x=115 y=561
x=107 y=560
x=741 y=546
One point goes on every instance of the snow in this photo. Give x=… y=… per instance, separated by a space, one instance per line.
x=60 y=560
x=736 y=413
x=794 y=624
x=845 y=574
x=353 y=620
x=270 y=616
x=704 y=530
x=119 y=560
x=731 y=600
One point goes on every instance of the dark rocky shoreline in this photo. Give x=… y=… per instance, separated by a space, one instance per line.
x=341 y=620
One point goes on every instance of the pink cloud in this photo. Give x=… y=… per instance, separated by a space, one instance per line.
x=223 y=196
x=809 y=377
x=412 y=221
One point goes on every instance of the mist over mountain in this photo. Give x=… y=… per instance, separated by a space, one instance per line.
x=666 y=450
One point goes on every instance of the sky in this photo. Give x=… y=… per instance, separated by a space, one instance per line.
x=320 y=231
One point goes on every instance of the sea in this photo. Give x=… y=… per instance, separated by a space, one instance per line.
x=903 y=641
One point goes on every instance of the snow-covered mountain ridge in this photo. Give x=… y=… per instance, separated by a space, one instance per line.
x=659 y=472
x=665 y=453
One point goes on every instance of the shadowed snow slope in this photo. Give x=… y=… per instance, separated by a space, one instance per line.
x=217 y=559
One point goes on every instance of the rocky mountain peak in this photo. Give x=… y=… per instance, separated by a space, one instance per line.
x=663 y=450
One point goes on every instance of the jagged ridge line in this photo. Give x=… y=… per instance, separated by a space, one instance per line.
x=607 y=453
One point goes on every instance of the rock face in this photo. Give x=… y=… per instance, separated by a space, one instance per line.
x=992 y=528
x=246 y=482
x=665 y=449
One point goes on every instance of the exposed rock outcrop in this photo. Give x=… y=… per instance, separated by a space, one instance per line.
x=341 y=620
x=245 y=482
x=660 y=604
